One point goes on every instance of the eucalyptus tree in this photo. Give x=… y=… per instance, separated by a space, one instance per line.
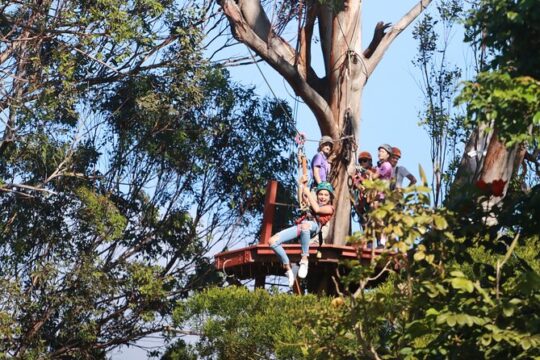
x=124 y=157
x=335 y=97
x=463 y=289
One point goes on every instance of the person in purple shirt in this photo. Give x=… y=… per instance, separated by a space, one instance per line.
x=320 y=167
x=384 y=168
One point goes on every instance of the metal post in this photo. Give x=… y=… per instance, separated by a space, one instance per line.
x=269 y=210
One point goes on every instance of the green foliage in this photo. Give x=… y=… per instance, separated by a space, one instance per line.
x=507 y=98
x=179 y=351
x=125 y=157
x=236 y=323
x=101 y=214
x=450 y=287
x=511 y=104
x=404 y=217
x=463 y=285
x=510 y=30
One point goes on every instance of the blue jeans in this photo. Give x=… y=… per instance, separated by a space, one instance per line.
x=292 y=233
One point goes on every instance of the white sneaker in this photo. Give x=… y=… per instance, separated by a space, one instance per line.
x=290 y=277
x=302 y=271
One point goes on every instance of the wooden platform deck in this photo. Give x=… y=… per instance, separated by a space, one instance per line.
x=248 y=262
x=259 y=261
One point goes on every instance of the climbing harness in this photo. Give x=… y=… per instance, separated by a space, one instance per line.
x=321 y=220
x=360 y=198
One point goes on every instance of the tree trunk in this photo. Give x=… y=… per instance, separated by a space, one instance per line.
x=487 y=159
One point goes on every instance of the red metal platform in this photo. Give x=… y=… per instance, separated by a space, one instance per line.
x=258 y=261
x=247 y=263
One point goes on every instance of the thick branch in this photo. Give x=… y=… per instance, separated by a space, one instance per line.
x=325 y=35
x=305 y=37
x=389 y=37
x=378 y=35
x=281 y=56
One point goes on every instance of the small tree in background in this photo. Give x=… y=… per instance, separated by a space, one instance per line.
x=443 y=122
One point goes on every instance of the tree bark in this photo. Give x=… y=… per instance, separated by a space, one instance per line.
x=487 y=159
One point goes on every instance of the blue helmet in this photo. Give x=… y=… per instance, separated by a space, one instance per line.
x=325 y=186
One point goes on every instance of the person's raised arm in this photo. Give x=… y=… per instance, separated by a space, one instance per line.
x=303 y=183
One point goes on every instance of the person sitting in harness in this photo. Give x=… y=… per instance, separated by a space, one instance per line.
x=320 y=212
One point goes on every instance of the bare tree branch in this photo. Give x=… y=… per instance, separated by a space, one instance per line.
x=395 y=30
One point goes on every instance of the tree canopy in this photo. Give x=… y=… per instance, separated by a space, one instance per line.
x=125 y=156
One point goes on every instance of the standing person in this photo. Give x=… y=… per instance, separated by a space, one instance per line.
x=365 y=161
x=320 y=167
x=384 y=172
x=399 y=172
x=384 y=168
x=321 y=211
x=364 y=170
x=361 y=198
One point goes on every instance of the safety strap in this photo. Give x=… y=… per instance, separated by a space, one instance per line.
x=302 y=162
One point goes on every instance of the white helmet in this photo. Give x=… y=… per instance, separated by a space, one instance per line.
x=326 y=140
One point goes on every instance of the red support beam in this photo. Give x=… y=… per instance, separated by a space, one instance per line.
x=269 y=210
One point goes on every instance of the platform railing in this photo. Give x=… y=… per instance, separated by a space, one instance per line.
x=269 y=211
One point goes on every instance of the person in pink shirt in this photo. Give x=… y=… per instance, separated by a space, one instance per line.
x=384 y=168
x=384 y=172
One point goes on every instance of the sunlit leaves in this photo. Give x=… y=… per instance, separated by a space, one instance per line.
x=511 y=104
x=99 y=213
x=235 y=322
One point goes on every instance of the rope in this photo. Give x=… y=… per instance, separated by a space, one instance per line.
x=223 y=268
x=269 y=86
x=302 y=163
x=351 y=51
